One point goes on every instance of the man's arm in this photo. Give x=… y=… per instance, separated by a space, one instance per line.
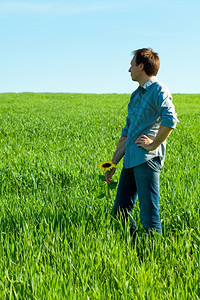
x=120 y=150
x=119 y=153
x=151 y=144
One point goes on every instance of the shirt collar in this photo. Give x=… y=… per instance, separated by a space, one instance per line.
x=147 y=84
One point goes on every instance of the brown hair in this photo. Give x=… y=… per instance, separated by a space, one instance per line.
x=149 y=59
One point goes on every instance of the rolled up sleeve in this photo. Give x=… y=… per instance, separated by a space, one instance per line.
x=167 y=110
x=125 y=129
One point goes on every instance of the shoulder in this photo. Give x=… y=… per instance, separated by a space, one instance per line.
x=162 y=90
x=161 y=87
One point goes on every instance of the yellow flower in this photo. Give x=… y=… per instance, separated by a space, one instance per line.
x=108 y=165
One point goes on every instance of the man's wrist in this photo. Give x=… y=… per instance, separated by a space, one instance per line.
x=152 y=146
x=114 y=162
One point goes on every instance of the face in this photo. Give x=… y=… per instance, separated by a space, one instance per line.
x=135 y=70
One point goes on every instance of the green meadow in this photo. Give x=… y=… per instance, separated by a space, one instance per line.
x=58 y=240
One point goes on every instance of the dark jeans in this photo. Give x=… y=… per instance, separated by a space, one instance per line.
x=142 y=182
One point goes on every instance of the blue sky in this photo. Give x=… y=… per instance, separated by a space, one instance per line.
x=86 y=46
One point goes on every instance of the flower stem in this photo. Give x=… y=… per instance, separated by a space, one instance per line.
x=107 y=198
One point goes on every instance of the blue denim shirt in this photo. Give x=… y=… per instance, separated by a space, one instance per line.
x=150 y=106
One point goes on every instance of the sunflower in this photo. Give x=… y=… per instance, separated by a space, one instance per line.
x=108 y=165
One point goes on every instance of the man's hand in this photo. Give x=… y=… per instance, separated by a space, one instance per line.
x=119 y=153
x=108 y=175
x=150 y=144
x=145 y=142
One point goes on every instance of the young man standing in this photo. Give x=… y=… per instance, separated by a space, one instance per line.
x=151 y=118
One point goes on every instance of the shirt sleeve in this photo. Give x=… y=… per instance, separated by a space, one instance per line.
x=167 y=110
x=125 y=129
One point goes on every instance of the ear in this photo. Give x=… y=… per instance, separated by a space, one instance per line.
x=141 y=66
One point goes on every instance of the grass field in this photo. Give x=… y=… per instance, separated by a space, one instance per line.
x=57 y=239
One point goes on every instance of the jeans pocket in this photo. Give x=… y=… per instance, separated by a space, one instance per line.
x=155 y=163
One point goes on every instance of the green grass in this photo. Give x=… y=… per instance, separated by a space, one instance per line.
x=57 y=239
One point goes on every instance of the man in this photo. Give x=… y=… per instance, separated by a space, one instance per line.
x=151 y=118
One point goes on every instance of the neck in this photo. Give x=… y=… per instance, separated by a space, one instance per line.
x=144 y=79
